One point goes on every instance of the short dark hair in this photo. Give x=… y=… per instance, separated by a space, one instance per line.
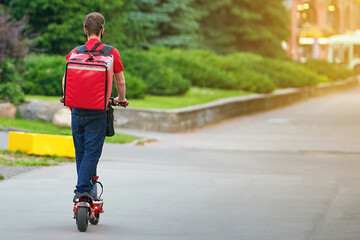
x=93 y=23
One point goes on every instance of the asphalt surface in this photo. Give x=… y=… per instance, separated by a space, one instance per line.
x=290 y=173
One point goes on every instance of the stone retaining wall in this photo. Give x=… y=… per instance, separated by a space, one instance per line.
x=192 y=117
x=183 y=119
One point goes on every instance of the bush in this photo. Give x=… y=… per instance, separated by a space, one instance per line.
x=163 y=71
x=255 y=82
x=333 y=71
x=283 y=74
x=196 y=66
x=13 y=49
x=206 y=69
x=10 y=90
x=159 y=78
x=140 y=63
x=135 y=87
x=287 y=74
x=43 y=75
x=166 y=81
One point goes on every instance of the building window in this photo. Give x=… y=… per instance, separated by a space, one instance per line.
x=334 y=16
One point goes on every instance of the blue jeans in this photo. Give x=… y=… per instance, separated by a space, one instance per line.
x=89 y=130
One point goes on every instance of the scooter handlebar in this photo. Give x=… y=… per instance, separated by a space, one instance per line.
x=122 y=104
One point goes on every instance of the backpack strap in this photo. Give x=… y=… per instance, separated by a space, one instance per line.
x=95 y=47
x=81 y=48
x=107 y=49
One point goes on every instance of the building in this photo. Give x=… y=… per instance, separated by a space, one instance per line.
x=314 y=21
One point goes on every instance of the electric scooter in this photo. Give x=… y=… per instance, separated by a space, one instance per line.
x=86 y=208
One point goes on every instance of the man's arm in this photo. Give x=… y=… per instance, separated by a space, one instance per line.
x=120 y=87
x=63 y=82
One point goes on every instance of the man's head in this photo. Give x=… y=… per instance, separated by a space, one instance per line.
x=94 y=24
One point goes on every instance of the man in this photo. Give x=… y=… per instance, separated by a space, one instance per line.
x=89 y=126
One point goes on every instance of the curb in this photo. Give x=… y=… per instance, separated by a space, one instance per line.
x=41 y=144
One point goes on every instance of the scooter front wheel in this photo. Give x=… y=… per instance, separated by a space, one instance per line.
x=82 y=217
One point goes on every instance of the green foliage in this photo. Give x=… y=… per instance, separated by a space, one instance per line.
x=13 y=49
x=135 y=87
x=170 y=23
x=206 y=69
x=121 y=138
x=333 y=71
x=283 y=74
x=245 y=71
x=286 y=74
x=194 y=96
x=159 y=78
x=164 y=71
x=244 y=25
x=166 y=81
x=60 y=22
x=197 y=66
x=130 y=23
x=43 y=75
x=255 y=82
x=10 y=90
x=224 y=26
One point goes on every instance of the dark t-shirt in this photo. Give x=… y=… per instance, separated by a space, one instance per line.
x=118 y=66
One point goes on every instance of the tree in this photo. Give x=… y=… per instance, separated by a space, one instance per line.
x=170 y=23
x=60 y=22
x=222 y=25
x=244 y=25
x=133 y=23
x=13 y=49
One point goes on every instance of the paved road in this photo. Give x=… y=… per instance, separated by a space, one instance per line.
x=291 y=173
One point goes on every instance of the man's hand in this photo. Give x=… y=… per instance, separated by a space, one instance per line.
x=117 y=100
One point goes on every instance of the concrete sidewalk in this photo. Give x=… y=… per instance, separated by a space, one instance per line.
x=324 y=124
x=197 y=194
x=292 y=173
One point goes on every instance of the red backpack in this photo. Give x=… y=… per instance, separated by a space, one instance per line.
x=89 y=78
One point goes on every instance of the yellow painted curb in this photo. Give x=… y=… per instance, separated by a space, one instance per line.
x=41 y=144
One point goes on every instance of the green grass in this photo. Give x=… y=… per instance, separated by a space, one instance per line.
x=121 y=138
x=48 y=128
x=193 y=97
x=34 y=126
x=1 y=178
x=8 y=158
x=47 y=98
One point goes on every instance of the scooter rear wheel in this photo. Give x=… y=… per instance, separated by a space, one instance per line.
x=82 y=217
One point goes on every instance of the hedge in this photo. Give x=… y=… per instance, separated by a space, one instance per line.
x=135 y=87
x=10 y=90
x=160 y=78
x=163 y=71
x=238 y=71
x=43 y=75
x=333 y=71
